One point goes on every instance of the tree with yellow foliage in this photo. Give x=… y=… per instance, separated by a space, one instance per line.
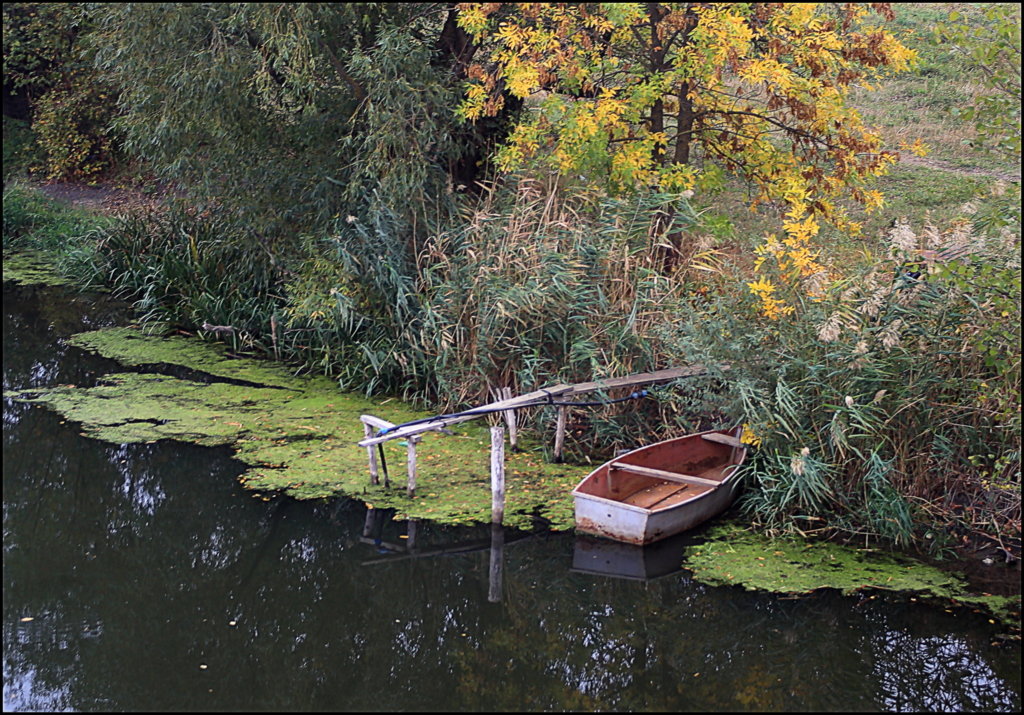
x=667 y=95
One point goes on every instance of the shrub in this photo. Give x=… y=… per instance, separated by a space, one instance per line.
x=891 y=402
x=71 y=105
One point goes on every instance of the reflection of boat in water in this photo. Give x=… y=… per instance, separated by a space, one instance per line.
x=613 y=558
x=662 y=489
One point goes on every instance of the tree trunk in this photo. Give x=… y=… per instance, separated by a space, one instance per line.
x=684 y=126
x=455 y=51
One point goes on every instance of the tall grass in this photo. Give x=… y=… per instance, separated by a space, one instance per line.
x=892 y=403
x=188 y=269
x=31 y=221
x=535 y=285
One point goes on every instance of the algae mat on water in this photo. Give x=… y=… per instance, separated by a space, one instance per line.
x=298 y=434
x=31 y=268
x=734 y=556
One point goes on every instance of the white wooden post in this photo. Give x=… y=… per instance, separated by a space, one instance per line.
x=372 y=454
x=370 y=422
x=497 y=474
x=510 y=418
x=560 y=434
x=410 y=489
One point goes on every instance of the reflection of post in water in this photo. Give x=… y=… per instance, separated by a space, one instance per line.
x=378 y=519
x=373 y=529
x=497 y=563
x=370 y=525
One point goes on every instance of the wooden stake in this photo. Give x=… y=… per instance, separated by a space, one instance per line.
x=497 y=474
x=410 y=489
x=410 y=534
x=510 y=419
x=560 y=434
x=372 y=453
x=369 y=423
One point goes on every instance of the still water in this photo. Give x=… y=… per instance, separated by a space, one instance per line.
x=143 y=577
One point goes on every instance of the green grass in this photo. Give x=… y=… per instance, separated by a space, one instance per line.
x=32 y=220
x=918 y=104
x=19 y=148
x=915 y=105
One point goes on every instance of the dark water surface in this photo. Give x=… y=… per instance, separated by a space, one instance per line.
x=143 y=577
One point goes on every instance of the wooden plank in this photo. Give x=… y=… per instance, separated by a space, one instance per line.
x=539 y=397
x=536 y=397
x=662 y=474
x=642 y=378
x=649 y=496
x=724 y=439
x=672 y=495
x=377 y=422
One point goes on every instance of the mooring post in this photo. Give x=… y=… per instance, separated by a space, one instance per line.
x=410 y=535
x=510 y=418
x=497 y=474
x=369 y=424
x=370 y=523
x=560 y=433
x=410 y=489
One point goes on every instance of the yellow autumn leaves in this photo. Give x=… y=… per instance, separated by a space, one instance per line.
x=626 y=93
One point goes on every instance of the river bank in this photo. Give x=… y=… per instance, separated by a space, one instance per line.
x=296 y=437
x=168 y=586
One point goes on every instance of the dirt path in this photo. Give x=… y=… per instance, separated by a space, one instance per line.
x=911 y=160
x=104 y=198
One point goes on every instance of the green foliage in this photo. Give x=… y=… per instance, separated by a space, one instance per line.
x=72 y=128
x=18 y=148
x=286 y=114
x=70 y=102
x=66 y=236
x=892 y=401
x=190 y=268
x=31 y=220
x=991 y=45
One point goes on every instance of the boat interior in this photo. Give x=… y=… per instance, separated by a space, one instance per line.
x=664 y=474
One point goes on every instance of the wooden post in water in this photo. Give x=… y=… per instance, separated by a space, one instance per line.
x=410 y=489
x=560 y=433
x=410 y=535
x=497 y=474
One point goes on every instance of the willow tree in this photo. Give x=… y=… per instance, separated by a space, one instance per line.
x=291 y=113
x=668 y=95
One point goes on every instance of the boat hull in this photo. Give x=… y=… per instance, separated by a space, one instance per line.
x=601 y=498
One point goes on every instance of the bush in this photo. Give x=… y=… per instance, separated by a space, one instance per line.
x=890 y=403
x=71 y=105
